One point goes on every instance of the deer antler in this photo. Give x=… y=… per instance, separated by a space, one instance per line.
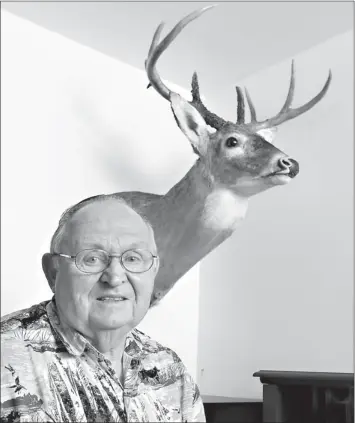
x=286 y=113
x=240 y=106
x=210 y=118
x=155 y=51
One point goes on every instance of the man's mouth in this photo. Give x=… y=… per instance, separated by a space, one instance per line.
x=111 y=299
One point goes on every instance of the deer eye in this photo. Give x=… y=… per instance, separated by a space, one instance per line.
x=231 y=142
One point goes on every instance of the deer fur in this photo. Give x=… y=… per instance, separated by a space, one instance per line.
x=235 y=162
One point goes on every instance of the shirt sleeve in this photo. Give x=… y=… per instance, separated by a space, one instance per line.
x=192 y=405
x=198 y=410
x=18 y=402
x=11 y=386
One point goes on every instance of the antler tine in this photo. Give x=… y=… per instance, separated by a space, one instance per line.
x=251 y=106
x=286 y=112
x=156 y=38
x=154 y=44
x=209 y=117
x=291 y=90
x=156 y=50
x=240 y=106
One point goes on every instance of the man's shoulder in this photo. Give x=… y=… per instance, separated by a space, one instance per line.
x=33 y=317
x=29 y=329
x=149 y=345
x=163 y=368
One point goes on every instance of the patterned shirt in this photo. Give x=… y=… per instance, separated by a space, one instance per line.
x=51 y=373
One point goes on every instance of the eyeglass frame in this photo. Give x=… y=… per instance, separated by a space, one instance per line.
x=110 y=256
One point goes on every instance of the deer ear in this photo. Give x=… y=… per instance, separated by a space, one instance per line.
x=190 y=122
x=268 y=134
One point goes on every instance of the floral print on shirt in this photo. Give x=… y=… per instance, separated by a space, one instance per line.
x=51 y=373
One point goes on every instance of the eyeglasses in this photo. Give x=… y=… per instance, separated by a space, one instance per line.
x=96 y=261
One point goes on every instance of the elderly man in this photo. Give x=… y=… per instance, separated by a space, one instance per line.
x=78 y=357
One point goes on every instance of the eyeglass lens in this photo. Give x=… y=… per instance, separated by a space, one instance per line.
x=94 y=261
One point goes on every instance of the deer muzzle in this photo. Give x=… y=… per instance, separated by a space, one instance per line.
x=285 y=167
x=290 y=166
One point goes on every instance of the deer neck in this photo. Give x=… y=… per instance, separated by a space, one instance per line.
x=202 y=212
x=189 y=221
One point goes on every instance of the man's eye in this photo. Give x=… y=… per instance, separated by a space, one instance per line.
x=92 y=259
x=132 y=258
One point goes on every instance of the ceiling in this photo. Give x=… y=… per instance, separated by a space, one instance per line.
x=225 y=45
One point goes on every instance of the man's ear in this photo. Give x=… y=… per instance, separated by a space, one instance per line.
x=191 y=123
x=156 y=265
x=50 y=270
x=268 y=134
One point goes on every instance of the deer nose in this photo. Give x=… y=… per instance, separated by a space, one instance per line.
x=290 y=164
x=285 y=163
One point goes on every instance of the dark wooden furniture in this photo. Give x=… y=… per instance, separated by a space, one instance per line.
x=237 y=410
x=307 y=397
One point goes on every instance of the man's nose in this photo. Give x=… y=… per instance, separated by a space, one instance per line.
x=114 y=274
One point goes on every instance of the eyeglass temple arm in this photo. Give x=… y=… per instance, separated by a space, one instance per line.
x=62 y=255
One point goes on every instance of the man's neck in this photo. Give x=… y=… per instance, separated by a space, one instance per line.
x=110 y=343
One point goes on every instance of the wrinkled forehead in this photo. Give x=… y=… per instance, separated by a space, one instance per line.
x=108 y=224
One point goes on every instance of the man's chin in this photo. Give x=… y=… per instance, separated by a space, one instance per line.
x=115 y=322
x=113 y=316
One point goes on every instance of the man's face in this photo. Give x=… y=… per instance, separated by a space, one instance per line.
x=115 y=228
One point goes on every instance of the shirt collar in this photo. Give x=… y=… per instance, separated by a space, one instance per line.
x=74 y=342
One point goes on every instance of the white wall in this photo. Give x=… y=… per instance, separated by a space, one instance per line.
x=278 y=294
x=76 y=123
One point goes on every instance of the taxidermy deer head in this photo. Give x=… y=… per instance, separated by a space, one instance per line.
x=239 y=155
x=235 y=160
